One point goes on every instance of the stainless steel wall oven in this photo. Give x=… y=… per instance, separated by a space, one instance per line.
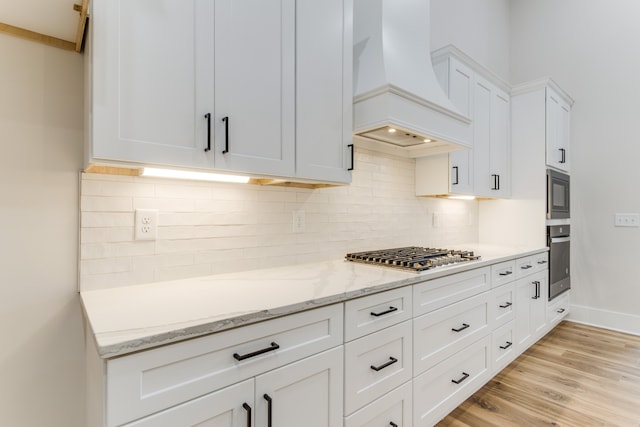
x=558 y=240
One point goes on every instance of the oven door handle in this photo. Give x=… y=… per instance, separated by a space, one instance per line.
x=560 y=239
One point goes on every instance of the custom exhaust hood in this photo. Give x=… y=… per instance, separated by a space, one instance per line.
x=398 y=106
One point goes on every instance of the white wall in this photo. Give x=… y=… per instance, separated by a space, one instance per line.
x=480 y=28
x=41 y=363
x=590 y=48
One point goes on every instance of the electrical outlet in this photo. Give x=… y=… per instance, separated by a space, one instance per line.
x=436 y=220
x=146 y=224
x=627 y=220
x=299 y=221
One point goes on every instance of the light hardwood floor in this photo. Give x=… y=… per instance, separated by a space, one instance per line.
x=576 y=375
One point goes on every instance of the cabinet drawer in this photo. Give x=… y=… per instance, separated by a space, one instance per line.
x=437 y=293
x=375 y=364
x=558 y=308
x=502 y=273
x=440 y=334
x=149 y=381
x=394 y=407
x=365 y=315
x=502 y=309
x=531 y=264
x=503 y=347
x=442 y=388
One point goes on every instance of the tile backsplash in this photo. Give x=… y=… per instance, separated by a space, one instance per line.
x=209 y=228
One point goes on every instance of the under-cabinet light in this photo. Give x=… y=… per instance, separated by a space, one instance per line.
x=461 y=197
x=199 y=176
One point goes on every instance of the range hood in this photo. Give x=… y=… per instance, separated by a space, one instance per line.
x=398 y=104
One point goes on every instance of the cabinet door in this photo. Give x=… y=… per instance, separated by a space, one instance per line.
x=500 y=143
x=482 y=100
x=460 y=93
x=558 y=136
x=148 y=61
x=229 y=407
x=324 y=43
x=306 y=393
x=255 y=86
x=531 y=297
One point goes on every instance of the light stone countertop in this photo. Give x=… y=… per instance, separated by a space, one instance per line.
x=133 y=318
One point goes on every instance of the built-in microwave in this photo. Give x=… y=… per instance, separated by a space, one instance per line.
x=557 y=195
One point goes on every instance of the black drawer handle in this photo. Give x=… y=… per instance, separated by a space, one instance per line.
x=464 y=377
x=506 y=305
x=507 y=345
x=392 y=424
x=248 y=409
x=506 y=273
x=526 y=267
x=273 y=347
x=382 y=313
x=462 y=328
x=542 y=262
x=391 y=361
x=561 y=310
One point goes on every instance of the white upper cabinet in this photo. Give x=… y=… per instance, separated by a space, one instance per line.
x=260 y=87
x=146 y=75
x=484 y=170
x=254 y=86
x=324 y=45
x=558 y=112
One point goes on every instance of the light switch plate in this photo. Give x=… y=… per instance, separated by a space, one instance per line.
x=627 y=220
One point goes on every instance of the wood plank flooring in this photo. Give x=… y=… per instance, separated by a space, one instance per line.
x=577 y=375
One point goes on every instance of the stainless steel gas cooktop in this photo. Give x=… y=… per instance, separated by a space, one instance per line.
x=412 y=258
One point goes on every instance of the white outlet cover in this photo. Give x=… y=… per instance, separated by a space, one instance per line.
x=146 y=224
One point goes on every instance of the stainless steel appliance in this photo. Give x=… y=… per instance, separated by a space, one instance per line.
x=558 y=240
x=412 y=258
x=557 y=195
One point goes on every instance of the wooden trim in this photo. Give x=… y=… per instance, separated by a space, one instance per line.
x=82 y=23
x=113 y=170
x=37 y=37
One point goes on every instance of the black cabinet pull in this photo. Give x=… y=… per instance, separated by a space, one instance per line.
x=269 y=409
x=561 y=310
x=248 y=409
x=563 y=153
x=526 y=267
x=541 y=262
x=464 y=377
x=537 y=295
x=273 y=347
x=506 y=273
x=506 y=304
x=392 y=424
x=507 y=345
x=382 y=313
x=496 y=181
x=226 y=134
x=462 y=328
x=352 y=157
x=391 y=361
x=208 y=117
x=456 y=181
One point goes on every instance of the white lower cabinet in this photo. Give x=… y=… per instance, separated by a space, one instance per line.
x=443 y=387
x=404 y=357
x=393 y=409
x=531 y=303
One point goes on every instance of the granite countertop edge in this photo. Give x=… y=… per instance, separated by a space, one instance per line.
x=130 y=319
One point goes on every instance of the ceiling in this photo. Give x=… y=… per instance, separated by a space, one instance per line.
x=55 y=18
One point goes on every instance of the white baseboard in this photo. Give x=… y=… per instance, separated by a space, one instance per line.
x=613 y=320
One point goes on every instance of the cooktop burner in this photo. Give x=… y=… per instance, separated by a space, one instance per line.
x=412 y=258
